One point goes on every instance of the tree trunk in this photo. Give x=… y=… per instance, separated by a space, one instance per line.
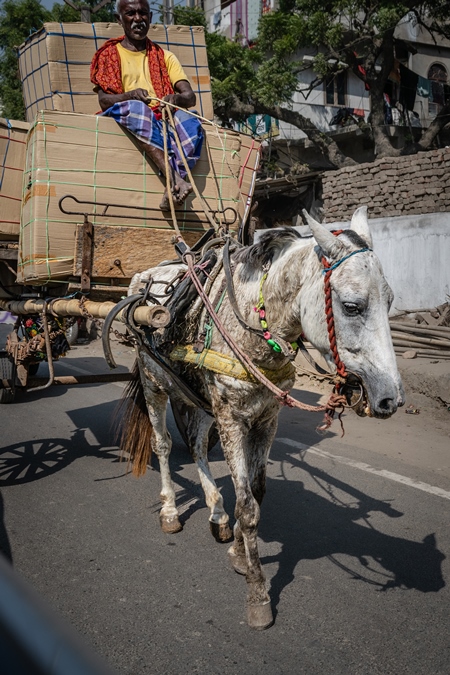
x=383 y=145
x=376 y=81
x=435 y=127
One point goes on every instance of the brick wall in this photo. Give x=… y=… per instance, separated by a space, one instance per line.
x=394 y=186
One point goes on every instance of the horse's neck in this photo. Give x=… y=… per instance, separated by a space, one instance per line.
x=294 y=295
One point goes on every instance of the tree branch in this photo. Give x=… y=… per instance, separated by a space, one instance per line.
x=327 y=146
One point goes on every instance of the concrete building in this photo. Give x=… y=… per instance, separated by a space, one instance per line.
x=416 y=52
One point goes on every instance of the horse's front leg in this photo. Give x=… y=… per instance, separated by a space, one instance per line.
x=246 y=453
x=161 y=440
x=258 y=443
x=198 y=429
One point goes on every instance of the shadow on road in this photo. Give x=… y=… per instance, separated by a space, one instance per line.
x=5 y=547
x=308 y=525
x=34 y=459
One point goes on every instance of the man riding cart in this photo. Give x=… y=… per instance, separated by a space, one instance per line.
x=132 y=75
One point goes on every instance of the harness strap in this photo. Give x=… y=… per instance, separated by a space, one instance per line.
x=227 y=365
x=285 y=346
x=309 y=358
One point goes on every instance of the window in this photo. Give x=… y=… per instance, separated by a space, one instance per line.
x=336 y=89
x=437 y=75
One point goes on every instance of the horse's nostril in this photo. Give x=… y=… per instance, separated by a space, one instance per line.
x=388 y=405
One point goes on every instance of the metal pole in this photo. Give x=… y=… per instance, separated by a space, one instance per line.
x=144 y=316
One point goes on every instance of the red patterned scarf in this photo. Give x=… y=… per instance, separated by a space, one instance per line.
x=106 y=70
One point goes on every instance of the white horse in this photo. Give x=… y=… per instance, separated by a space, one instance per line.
x=287 y=274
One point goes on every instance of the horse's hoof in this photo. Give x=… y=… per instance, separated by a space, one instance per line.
x=238 y=562
x=260 y=616
x=170 y=524
x=221 y=531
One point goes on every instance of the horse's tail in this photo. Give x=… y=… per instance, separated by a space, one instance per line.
x=133 y=428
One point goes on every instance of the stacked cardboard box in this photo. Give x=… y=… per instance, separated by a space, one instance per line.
x=92 y=159
x=89 y=161
x=12 y=160
x=54 y=64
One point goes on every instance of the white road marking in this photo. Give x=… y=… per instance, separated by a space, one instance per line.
x=362 y=466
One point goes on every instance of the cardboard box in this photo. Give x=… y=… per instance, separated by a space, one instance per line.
x=54 y=64
x=12 y=161
x=93 y=159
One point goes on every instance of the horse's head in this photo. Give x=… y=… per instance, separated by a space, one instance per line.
x=361 y=298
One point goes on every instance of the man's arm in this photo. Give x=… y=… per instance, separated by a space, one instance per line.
x=183 y=97
x=107 y=100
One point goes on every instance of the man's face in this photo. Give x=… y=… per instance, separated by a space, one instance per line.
x=134 y=16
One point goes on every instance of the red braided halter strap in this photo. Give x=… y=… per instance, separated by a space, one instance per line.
x=330 y=316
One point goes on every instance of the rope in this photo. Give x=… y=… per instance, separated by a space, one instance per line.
x=168 y=175
x=205 y=206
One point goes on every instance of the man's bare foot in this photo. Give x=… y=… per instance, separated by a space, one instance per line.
x=165 y=204
x=181 y=189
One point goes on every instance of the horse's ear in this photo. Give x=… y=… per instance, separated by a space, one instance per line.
x=360 y=225
x=330 y=245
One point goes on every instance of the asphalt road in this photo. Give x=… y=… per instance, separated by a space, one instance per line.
x=354 y=539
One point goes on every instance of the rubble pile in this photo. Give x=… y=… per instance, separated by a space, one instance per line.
x=422 y=333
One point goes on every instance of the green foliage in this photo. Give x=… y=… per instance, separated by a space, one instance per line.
x=18 y=19
x=63 y=13
x=188 y=16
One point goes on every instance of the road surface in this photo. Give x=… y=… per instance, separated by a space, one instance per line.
x=354 y=539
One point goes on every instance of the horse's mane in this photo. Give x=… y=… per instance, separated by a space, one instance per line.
x=355 y=239
x=271 y=242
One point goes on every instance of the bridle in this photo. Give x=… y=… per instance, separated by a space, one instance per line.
x=327 y=271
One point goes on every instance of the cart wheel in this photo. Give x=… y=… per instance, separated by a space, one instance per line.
x=7 y=374
x=181 y=413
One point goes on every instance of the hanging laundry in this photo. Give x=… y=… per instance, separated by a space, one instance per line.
x=340 y=118
x=423 y=86
x=394 y=75
x=387 y=109
x=358 y=112
x=343 y=115
x=362 y=71
x=437 y=92
x=408 y=87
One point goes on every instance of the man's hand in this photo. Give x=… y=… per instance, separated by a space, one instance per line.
x=108 y=100
x=183 y=97
x=171 y=98
x=137 y=95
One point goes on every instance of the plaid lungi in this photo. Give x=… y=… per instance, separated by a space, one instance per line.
x=141 y=121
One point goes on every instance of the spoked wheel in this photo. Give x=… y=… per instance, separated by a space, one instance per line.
x=181 y=413
x=7 y=378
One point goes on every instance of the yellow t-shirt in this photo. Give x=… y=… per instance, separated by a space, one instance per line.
x=136 y=74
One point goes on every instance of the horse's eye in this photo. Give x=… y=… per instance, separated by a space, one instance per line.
x=351 y=308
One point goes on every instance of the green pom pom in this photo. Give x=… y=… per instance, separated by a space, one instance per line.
x=275 y=346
